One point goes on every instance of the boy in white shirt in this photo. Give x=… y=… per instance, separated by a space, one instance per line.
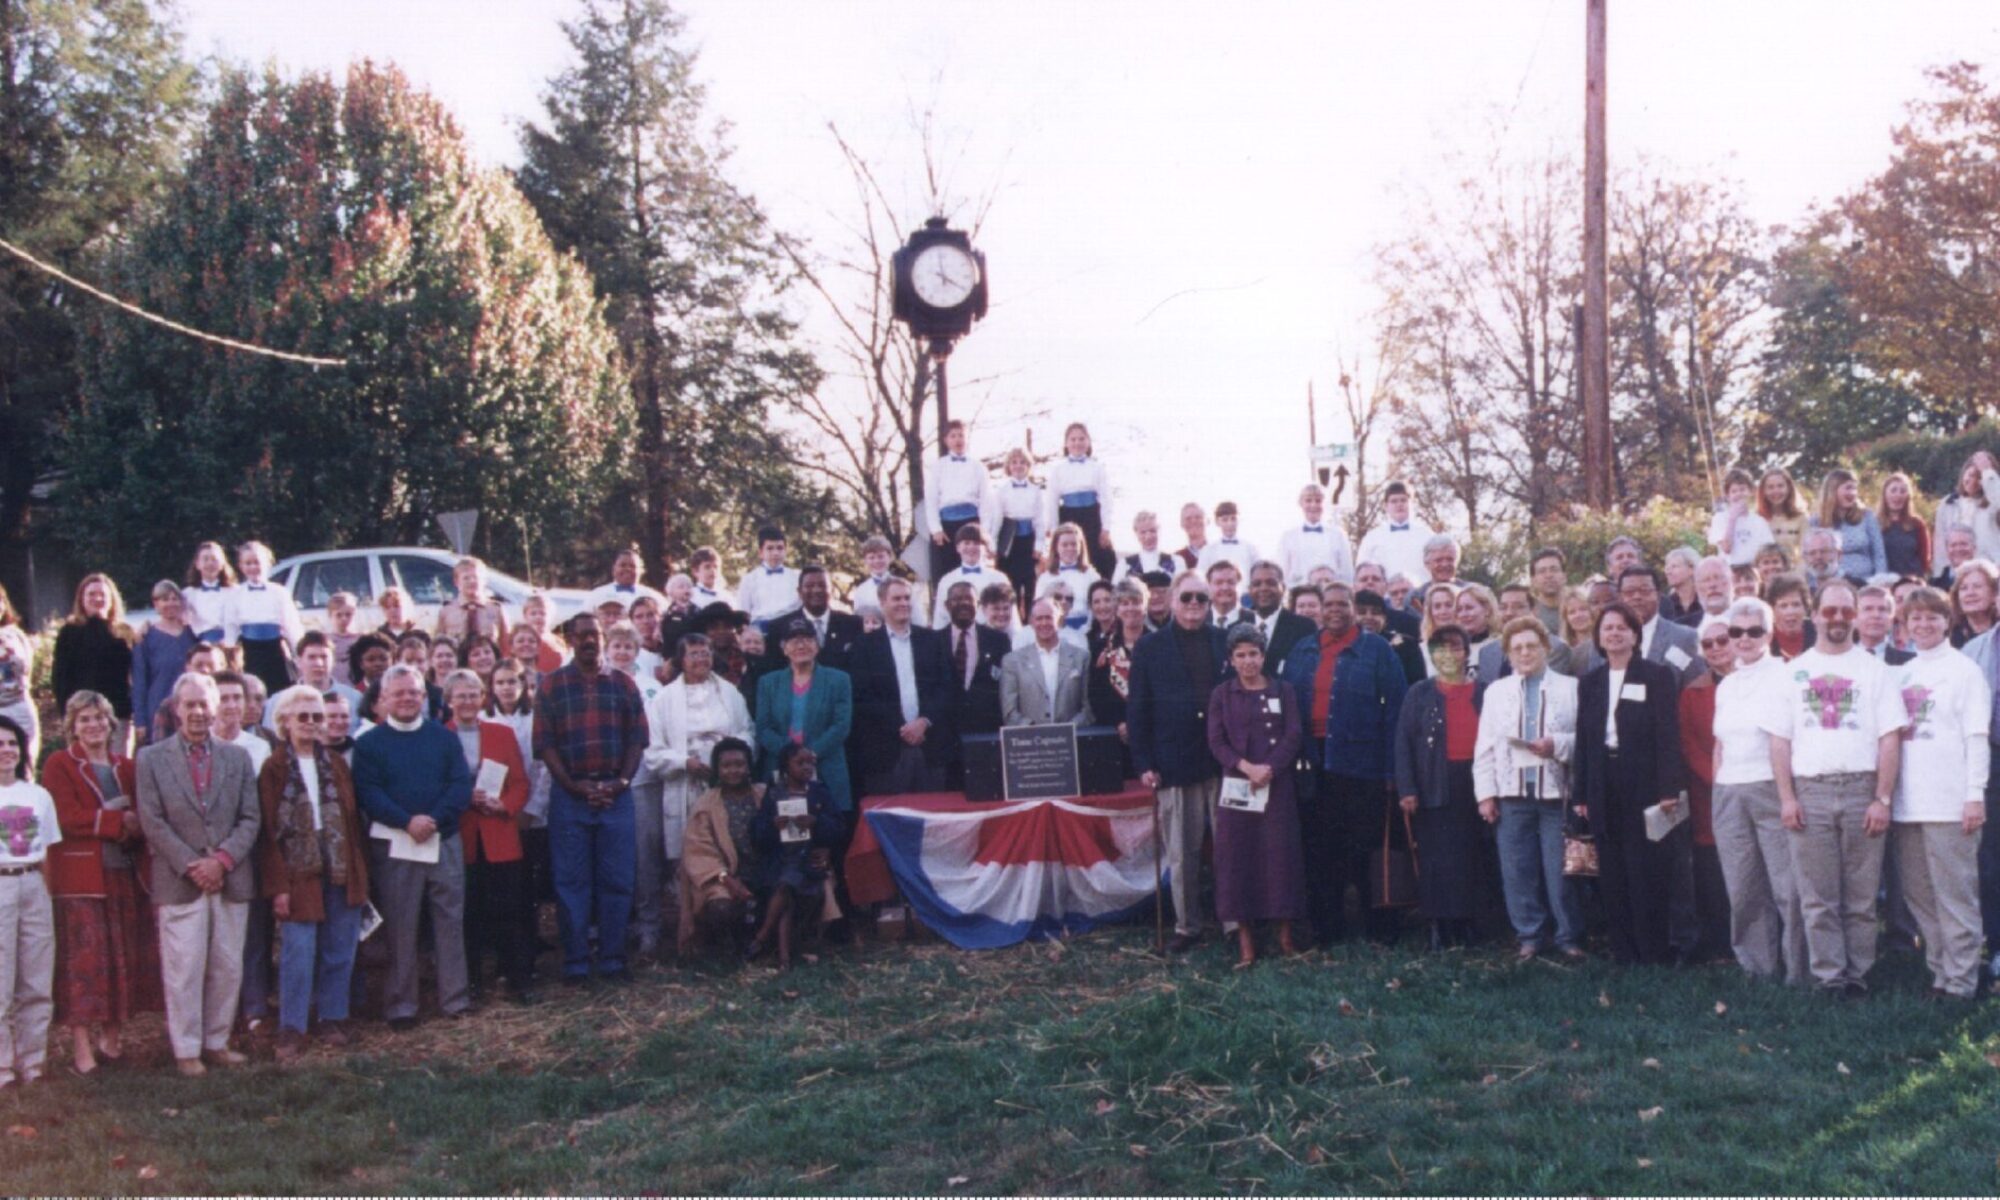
x=1228 y=547
x=1737 y=532
x=1398 y=541
x=1318 y=542
x=770 y=587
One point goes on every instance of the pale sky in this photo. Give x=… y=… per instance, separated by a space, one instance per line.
x=1187 y=193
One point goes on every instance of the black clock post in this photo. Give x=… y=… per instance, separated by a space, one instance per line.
x=939 y=291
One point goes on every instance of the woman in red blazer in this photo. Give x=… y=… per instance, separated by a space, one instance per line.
x=108 y=955
x=496 y=880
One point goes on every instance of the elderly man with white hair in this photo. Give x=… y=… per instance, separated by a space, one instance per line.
x=198 y=806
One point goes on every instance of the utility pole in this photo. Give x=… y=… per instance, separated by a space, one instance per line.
x=1596 y=349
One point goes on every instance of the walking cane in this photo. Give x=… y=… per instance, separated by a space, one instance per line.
x=1159 y=887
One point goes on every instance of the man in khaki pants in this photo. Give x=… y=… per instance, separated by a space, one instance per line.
x=1835 y=721
x=198 y=806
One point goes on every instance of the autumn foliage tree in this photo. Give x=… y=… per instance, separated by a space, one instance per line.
x=347 y=220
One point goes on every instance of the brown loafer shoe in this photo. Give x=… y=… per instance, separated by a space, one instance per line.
x=289 y=1047
x=226 y=1057
x=190 y=1067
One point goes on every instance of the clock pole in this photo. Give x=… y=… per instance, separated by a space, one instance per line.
x=938 y=291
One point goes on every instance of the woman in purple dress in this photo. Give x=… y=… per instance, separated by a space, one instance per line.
x=1254 y=731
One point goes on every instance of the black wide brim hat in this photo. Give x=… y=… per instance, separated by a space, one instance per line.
x=716 y=613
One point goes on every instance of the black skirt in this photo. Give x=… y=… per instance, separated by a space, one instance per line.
x=1448 y=868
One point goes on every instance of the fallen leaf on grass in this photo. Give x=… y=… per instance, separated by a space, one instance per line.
x=1720 y=1008
x=1347 y=1008
x=1105 y=1106
x=1139 y=1151
x=119 y=1160
x=149 y=1171
x=1644 y=1163
x=24 y=1132
x=1993 y=1060
x=789 y=994
x=1489 y=1081
x=1651 y=1063
x=1575 y=1044
x=955 y=1180
x=1842 y=1068
x=1394 y=985
x=1604 y=999
x=1647 y=1114
x=1315 y=1156
x=170 y=1112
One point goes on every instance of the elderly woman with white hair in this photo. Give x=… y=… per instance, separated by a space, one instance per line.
x=1679 y=602
x=1766 y=932
x=314 y=869
x=688 y=719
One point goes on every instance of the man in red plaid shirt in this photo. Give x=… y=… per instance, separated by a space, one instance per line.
x=590 y=730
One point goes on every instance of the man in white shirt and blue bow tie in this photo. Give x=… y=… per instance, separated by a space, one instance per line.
x=624 y=586
x=972 y=569
x=1228 y=547
x=770 y=587
x=958 y=490
x=1318 y=542
x=1398 y=542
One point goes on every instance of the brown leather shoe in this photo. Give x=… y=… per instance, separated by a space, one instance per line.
x=191 y=1067
x=1181 y=943
x=289 y=1046
x=226 y=1057
x=334 y=1034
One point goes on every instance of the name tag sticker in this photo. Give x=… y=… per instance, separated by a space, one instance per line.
x=1274 y=705
x=1635 y=692
x=1677 y=658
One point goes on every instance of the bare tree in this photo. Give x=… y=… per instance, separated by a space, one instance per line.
x=1368 y=392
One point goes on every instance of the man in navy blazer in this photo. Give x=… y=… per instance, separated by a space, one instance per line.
x=1174 y=672
x=902 y=739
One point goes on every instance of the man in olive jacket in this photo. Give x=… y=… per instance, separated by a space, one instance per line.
x=198 y=807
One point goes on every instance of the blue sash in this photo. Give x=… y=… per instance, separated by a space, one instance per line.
x=958 y=512
x=212 y=636
x=1079 y=499
x=1024 y=528
x=260 y=631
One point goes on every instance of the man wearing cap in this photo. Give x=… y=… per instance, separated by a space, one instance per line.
x=1174 y=672
x=837 y=631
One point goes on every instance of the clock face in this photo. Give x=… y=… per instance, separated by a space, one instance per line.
x=943 y=276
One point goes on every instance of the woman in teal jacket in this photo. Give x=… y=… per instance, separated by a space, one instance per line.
x=808 y=704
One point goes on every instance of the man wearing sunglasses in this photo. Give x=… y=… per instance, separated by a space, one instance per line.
x=1174 y=673
x=1836 y=747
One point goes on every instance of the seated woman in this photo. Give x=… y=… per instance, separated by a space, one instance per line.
x=718 y=861
x=797 y=847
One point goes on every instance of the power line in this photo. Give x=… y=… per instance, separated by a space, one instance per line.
x=176 y=326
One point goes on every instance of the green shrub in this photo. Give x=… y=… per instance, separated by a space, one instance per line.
x=1503 y=556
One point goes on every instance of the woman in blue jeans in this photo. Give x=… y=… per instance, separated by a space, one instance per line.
x=1527 y=732
x=313 y=869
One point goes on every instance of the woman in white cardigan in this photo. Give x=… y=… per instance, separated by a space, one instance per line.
x=688 y=717
x=1527 y=732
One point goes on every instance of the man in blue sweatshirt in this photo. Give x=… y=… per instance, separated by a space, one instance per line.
x=410 y=775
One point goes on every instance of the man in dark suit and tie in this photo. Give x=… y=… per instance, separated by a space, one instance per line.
x=1660 y=641
x=902 y=739
x=973 y=653
x=1281 y=628
x=199 y=809
x=837 y=631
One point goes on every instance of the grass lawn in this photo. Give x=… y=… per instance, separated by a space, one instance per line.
x=1083 y=1067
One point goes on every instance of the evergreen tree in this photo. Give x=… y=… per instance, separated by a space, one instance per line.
x=347 y=221
x=627 y=173
x=93 y=97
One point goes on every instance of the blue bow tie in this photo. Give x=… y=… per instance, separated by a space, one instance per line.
x=878 y=580
x=1073 y=458
x=624 y=587
x=1072 y=567
x=1399 y=528
x=1020 y=483
x=1313 y=529
x=774 y=570
x=255 y=587
x=969 y=570
x=956 y=457
x=1229 y=541
x=211 y=587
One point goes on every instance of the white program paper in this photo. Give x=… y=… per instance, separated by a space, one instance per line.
x=1660 y=823
x=1238 y=795
x=492 y=777
x=792 y=807
x=405 y=847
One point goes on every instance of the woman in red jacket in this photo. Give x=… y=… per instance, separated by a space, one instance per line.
x=108 y=955
x=496 y=878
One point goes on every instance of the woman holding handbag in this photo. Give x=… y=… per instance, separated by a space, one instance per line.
x=1255 y=730
x=1628 y=759
x=1436 y=737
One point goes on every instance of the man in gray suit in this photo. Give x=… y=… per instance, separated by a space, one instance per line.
x=199 y=809
x=1675 y=646
x=1516 y=600
x=1045 y=682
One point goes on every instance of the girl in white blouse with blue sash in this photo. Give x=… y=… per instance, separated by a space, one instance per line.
x=959 y=493
x=1020 y=522
x=1080 y=493
x=210 y=592
x=264 y=620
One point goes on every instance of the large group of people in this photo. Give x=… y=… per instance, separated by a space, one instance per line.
x=1763 y=748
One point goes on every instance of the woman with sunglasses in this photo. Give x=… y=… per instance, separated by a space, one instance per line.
x=1750 y=840
x=1697 y=717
